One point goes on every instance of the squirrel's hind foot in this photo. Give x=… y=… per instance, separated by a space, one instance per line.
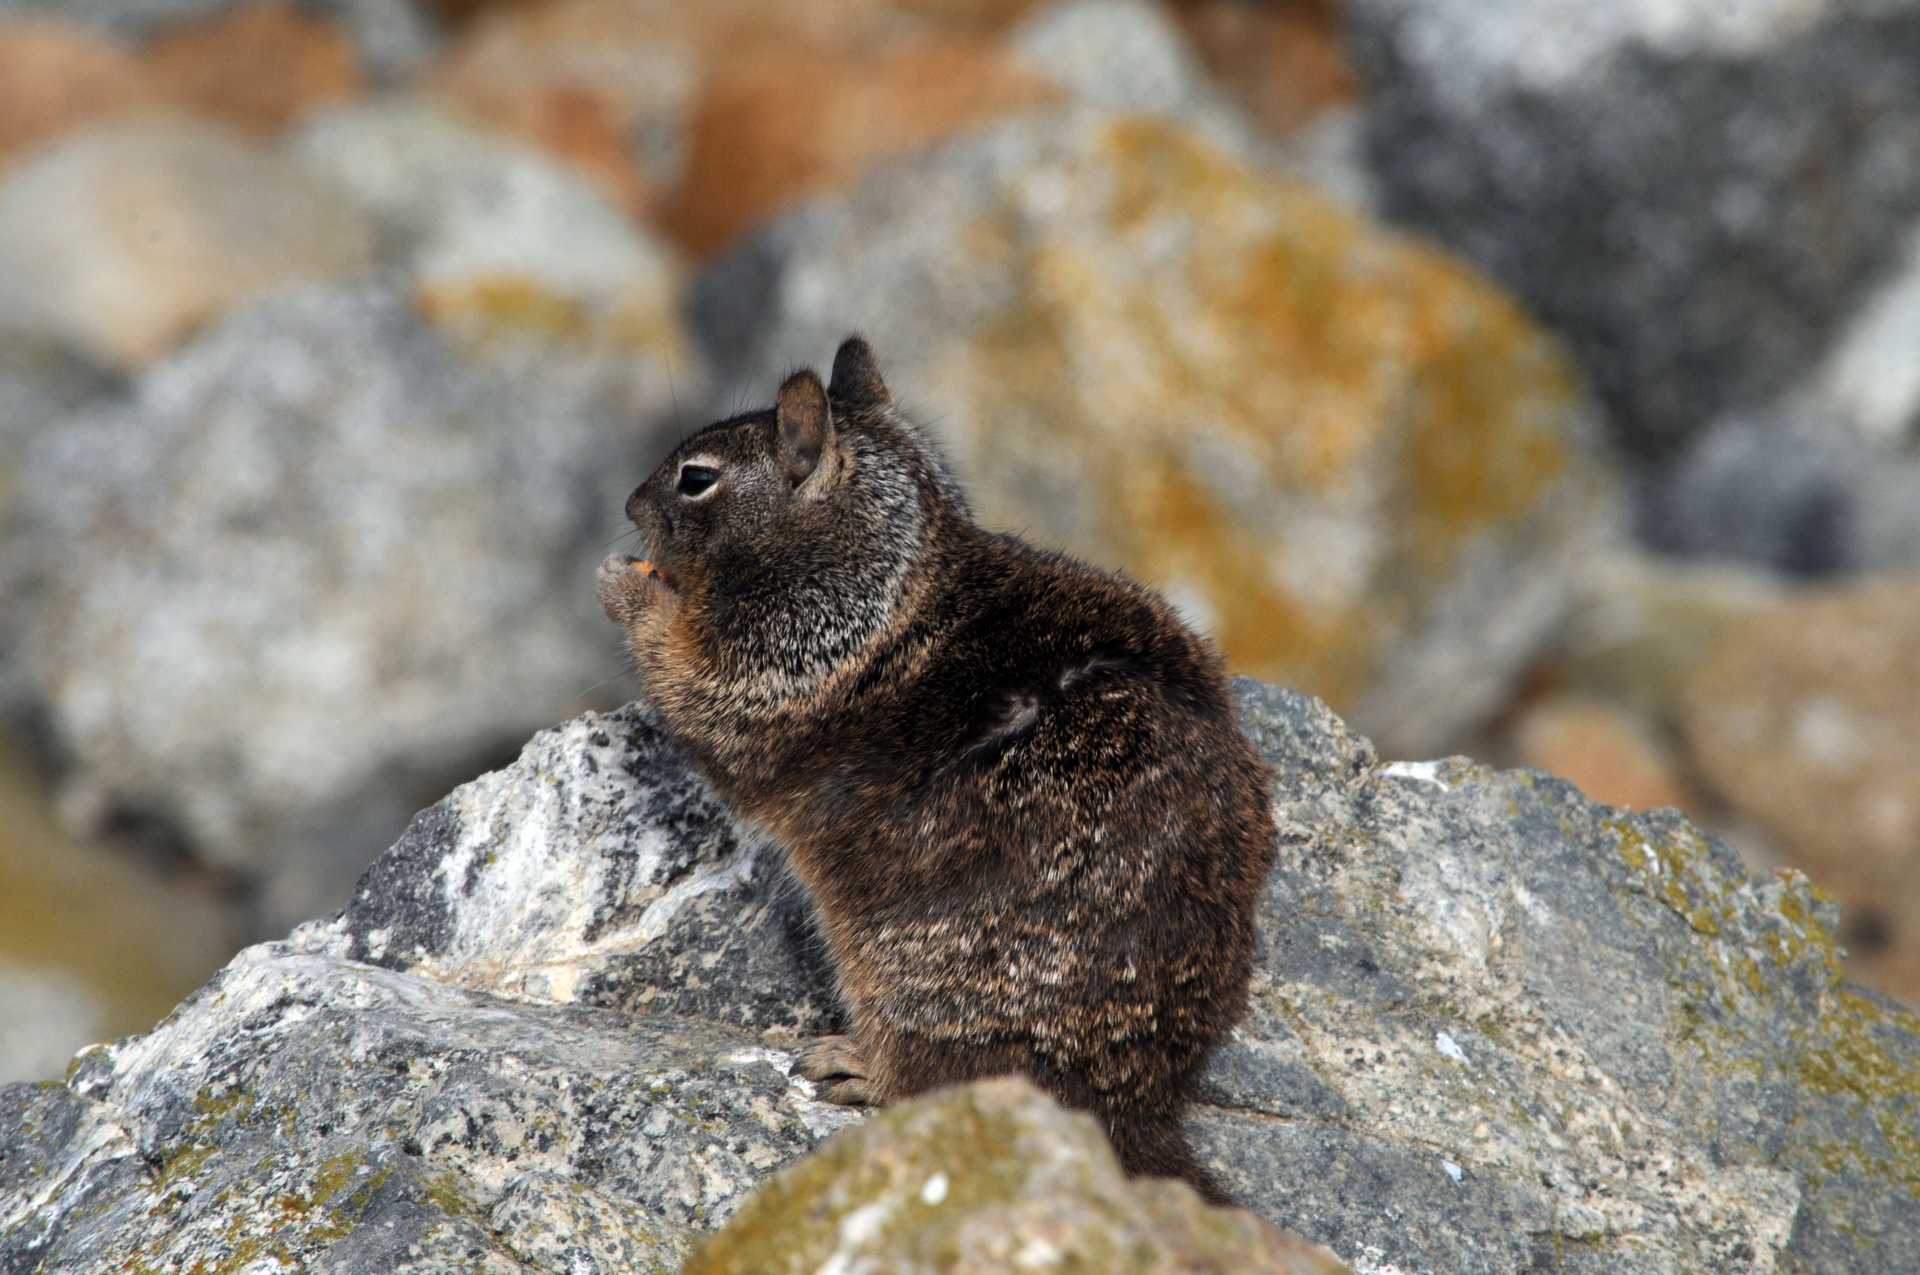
x=835 y=1063
x=851 y=1093
x=831 y=1058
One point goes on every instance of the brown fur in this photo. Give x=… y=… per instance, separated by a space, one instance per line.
x=1011 y=783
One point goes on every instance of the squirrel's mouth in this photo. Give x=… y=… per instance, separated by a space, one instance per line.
x=655 y=574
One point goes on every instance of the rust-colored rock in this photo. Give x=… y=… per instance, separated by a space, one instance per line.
x=600 y=84
x=610 y=85
x=773 y=129
x=1284 y=61
x=54 y=77
x=715 y=115
x=1602 y=749
x=1807 y=718
x=260 y=66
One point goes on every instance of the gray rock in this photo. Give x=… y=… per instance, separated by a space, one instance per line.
x=1124 y=55
x=41 y=382
x=1790 y=489
x=1495 y=1027
x=1869 y=381
x=1696 y=194
x=316 y=570
x=461 y=213
x=1129 y=55
x=597 y=869
x=1498 y=1027
x=347 y=1118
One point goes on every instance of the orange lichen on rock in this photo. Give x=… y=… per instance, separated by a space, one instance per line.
x=1298 y=424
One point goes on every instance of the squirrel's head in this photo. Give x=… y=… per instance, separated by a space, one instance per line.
x=780 y=543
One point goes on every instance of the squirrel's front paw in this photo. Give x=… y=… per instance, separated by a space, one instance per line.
x=629 y=587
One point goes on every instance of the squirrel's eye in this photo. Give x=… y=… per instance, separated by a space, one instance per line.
x=695 y=479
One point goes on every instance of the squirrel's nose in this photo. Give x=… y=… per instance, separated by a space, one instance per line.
x=634 y=502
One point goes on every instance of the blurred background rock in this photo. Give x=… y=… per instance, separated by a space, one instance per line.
x=1528 y=379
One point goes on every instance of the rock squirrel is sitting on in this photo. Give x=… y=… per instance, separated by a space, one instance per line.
x=1011 y=783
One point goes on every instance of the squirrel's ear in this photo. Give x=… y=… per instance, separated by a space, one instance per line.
x=856 y=374
x=805 y=425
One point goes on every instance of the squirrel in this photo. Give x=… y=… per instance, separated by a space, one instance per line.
x=1011 y=783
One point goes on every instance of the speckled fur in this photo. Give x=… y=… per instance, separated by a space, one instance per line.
x=1012 y=783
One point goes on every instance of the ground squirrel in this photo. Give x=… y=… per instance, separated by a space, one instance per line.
x=1011 y=783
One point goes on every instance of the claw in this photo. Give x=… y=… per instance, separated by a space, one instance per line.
x=831 y=1058
x=851 y=1093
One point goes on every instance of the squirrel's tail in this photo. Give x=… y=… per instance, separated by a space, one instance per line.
x=1157 y=1148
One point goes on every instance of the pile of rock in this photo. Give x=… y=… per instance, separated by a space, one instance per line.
x=332 y=331
x=330 y=339
x=1717 y=207
x=1495 y=1027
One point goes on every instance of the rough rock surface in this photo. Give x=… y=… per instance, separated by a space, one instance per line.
x=317 y=569
x=1350 y=459
x=1697 y=194
x=598 y=870
x=320 y=1114
x=1496 y=1027
x=1806 y=717
x=124 y=237
x=1567 y=1037
x=992 y=1176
